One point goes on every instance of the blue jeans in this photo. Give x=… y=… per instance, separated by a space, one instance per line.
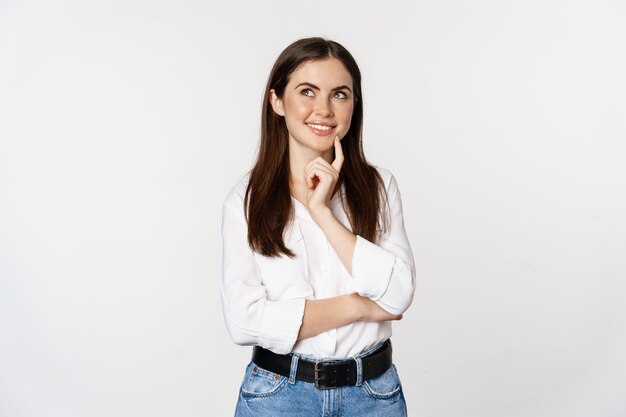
x=264 y=393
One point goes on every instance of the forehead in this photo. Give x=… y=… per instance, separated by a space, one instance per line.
x=326 y=74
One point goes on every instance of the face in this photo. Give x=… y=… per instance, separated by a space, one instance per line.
x=317 y=104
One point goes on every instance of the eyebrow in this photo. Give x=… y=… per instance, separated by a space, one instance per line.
x=313 y=86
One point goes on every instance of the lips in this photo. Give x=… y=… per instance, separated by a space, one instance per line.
x=320 y=128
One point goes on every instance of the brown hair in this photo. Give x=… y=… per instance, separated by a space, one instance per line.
x=267 y=203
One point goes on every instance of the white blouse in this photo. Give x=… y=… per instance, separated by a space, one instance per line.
x=263 y=298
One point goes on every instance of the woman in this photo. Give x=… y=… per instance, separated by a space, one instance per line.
x=315 y=258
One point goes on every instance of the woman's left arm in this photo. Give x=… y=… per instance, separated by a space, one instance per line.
x=385 y=273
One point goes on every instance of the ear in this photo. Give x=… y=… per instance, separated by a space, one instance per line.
x=277 y=103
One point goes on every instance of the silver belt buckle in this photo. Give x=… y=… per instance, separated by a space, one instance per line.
x=317 y=377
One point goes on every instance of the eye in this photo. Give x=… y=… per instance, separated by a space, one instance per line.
x=306 y=91
x=341 y=93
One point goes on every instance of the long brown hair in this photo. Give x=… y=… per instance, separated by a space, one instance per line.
x=267 y=203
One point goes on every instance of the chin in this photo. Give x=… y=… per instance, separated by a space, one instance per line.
x=321 y=147
x=320 y=144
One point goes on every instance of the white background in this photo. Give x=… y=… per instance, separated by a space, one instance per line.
x=124 y=123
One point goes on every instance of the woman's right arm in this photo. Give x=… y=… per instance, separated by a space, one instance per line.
x=251 y=318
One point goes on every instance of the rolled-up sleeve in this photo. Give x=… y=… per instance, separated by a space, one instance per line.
x=385 y=273
x=252 y=319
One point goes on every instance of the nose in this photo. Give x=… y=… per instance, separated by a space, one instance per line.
x=322 y=108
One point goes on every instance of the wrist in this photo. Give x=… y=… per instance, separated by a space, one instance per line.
x=322 y=216
x=356 y=306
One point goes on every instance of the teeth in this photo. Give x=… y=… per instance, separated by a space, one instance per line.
x=320 y=127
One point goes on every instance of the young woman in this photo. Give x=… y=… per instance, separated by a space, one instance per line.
x=315 y=258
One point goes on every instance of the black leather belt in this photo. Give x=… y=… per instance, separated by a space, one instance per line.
x=325 y=374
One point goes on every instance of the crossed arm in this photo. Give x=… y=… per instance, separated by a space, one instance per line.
x=383 y=280
x=330 y=313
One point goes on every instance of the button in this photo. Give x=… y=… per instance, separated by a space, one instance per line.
x=323 y=268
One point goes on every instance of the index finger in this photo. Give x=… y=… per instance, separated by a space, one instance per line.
x=338 y=155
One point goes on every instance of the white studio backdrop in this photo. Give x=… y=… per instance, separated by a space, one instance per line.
x=123 y=124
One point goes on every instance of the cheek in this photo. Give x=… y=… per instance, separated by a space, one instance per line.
x=297 y=108
x=346 y=118
x=346 y=114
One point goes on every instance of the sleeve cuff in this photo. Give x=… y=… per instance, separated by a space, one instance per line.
x=281 y=324
x=371 y=268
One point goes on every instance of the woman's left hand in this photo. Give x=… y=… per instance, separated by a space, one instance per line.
x=321 y=178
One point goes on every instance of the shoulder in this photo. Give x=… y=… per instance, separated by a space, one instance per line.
x=391 y=186
x=235 y=196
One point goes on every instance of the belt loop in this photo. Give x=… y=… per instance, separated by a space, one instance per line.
x=294 y=368
x=359 y=370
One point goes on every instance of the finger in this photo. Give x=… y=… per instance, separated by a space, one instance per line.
x=311 y=176
x=317 y=175
x=309 y=165
x=322 y=161
x=306 y=168
x=323 y=165
x=338 y=162
x=314 y=179
x=323 y=171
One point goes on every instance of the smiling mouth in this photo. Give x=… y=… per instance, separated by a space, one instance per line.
x=320 y=129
